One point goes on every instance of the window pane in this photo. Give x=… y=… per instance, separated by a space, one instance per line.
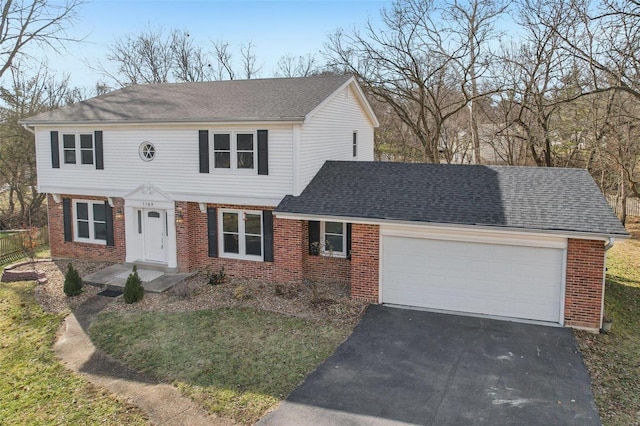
x=245 y=160
x=334 y=243
x=230 y=222
x=333 y=227
x=83 y=229
x=254 y=245
x=100 y=230
x=139 y=221
x=69 y=157
x=86 y=141
x=99 y=212
x=231 y=243
x=221 y=142
x=155 y=215
x=86 y=156
x=222 y=160
x=252 y=224
x=82 y=211
x=245 y=142
x=69 y=141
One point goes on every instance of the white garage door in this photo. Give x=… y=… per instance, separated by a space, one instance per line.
x=492 y=279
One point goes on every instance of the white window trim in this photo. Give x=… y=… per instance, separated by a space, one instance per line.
x=78 y=149
x=323 y=239
x=241 y=235
x=233 y=142
x=91 y=238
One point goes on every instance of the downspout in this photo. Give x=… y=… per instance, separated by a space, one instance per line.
x=29 y=129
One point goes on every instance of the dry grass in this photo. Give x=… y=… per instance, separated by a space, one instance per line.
x=613 y=359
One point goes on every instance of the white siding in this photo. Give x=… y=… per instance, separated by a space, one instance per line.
x=175 y=169
x=327 y=134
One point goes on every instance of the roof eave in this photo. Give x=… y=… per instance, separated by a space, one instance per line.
x=283 y=120
x=510 y=229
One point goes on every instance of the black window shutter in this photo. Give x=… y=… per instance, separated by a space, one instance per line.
x=55 y=150
x=267 y=228
x=212 y=231
x=263 y=152
x=314 y=238
x=66 y=218
x=109 y=218
x=348 y=241
x=203 y=144
x=97 y=140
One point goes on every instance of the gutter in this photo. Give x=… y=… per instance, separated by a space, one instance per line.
x=28 y=129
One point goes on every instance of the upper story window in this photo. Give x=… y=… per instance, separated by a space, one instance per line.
x=334 y=236
x=90 y=220
x=234 y=150
x=77 y=148
x=241 y=235
x=355 y=144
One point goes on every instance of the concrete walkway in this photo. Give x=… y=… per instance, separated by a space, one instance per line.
x=153 y=280
x=162 y=403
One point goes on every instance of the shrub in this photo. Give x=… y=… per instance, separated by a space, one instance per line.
x=217 y=278
x=184 y=289
x=242 y=293
x=133 y=291
x=72 y=282
x=287 y=291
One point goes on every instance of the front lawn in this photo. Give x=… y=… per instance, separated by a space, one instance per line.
x=235 y=362
x=37 y=389
x=614 y=359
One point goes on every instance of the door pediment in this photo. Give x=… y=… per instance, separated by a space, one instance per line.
x=148 y=196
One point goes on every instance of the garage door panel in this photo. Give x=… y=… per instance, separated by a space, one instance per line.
x=493 y=279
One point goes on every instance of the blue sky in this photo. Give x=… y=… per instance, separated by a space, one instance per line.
x=275 y=27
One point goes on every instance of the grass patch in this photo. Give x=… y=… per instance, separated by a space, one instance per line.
x=614 y=359
x=235 y=362
x=37 y=389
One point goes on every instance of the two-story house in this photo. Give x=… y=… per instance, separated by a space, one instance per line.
x=273 y=179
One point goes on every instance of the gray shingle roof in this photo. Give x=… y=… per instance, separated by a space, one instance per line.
x=531 y=198
x=235 y=100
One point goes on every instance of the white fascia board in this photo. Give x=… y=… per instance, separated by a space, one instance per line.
x=225 y=122
x=363 y=100
x=177 y=196
x=447 y=227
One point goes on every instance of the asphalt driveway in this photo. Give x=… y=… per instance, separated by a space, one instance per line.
x=412 y=367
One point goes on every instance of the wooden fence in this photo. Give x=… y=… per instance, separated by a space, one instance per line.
x=15 y=245
x=633 y=206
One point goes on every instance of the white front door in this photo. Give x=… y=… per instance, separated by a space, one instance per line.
x=154 y=232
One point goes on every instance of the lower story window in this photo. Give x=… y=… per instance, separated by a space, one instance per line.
x=241 y=235
x=333 y=235
x=90 y=221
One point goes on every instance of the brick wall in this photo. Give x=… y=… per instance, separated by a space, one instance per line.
x=323 y=269
x=191 y=234
x=365 y=262
x=75 y=250
x=584 y=283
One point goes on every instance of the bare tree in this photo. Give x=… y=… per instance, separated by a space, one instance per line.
x=224 y=57
x=27 y=22
x=290 y=65
x=190 y=62
x=26 y=95
x=472 y=22
x=141 y=58
x=250 y=67
x=414 y=65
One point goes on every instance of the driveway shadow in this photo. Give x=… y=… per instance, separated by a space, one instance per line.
x=414 y=367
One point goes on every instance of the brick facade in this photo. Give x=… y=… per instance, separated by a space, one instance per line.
x=323 y=269
x=76 y=250
x=192 y=246
x=365 y=262
x=584 y=284
x=292 y=262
